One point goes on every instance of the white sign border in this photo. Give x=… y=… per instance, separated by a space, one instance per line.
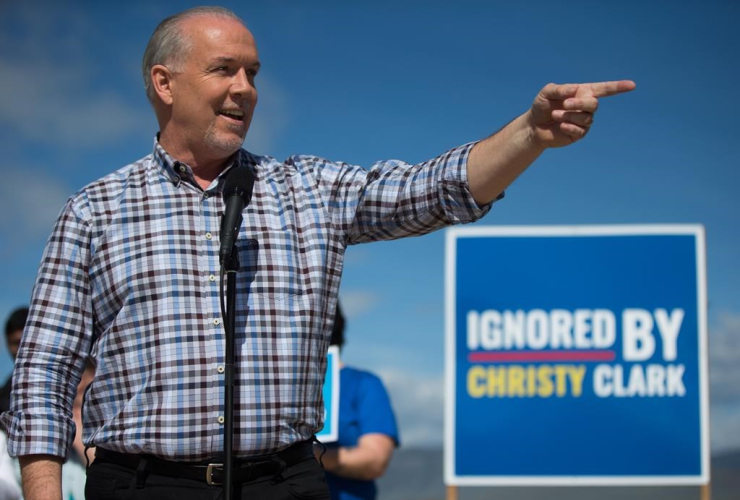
x=333 y=436
x=453 y=234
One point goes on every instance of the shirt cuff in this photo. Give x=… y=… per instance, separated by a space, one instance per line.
x=456 y=199
x=37 y=434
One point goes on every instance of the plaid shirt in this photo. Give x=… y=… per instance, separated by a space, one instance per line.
x=130 y=275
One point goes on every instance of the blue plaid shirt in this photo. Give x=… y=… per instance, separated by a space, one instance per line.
x=130 y=276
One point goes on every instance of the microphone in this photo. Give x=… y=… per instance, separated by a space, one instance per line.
x=237 y=194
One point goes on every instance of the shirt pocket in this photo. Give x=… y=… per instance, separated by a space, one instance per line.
x=272 y=265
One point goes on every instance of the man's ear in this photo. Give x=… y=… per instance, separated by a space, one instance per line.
x=162 y=83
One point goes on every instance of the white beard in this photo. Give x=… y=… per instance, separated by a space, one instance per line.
x=227 y=145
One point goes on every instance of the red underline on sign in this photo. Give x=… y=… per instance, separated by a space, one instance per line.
x=493 y=357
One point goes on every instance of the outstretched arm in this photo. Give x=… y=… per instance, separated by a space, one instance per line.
x=560 y=115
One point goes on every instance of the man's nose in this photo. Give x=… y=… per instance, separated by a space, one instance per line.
x=241 y=84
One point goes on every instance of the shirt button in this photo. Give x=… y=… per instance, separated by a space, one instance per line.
x=182 y=168
x=217 y=321
x=220 y=369
x=220 y=420
x=209 y=236
x=212 y=278
x=206 y=196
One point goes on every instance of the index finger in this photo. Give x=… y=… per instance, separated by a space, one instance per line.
x=604 y=89
x=555 y=92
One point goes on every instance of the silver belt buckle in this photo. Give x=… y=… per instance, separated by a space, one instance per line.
x=209 y=474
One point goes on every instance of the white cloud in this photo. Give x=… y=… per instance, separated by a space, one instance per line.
x=30 y=202
x=60 y=106
x=358 y=302
x=418 y=402
x=270 y=117
x=52 y=88
x=47 y=29
x=724 y=377
x=55 y=91
x=725 y=427
x=357 y=255
x=724 y=360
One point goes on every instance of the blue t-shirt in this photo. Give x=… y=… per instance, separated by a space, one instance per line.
x=364 y=408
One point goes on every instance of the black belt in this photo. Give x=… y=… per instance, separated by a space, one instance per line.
x=213 y=473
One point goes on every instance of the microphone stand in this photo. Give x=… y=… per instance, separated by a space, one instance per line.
x=229 y=267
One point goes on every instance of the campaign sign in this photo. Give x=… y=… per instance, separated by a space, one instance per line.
x=330 y=432
x=576 y=355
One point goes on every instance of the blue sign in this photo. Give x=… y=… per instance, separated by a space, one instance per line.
x=330 y=432
x=576 y=355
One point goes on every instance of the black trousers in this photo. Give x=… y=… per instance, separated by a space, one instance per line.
x=108 y=481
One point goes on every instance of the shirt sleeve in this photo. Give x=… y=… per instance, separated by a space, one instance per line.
x=394 y=199
x=55 y=344
x=375 y=410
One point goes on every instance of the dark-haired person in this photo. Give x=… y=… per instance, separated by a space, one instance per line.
x=129 y=276
x=13 y=333
x=367 y=435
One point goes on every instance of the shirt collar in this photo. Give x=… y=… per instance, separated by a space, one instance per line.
x=176 y=170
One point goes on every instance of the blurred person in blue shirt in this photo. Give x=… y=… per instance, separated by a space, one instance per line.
x=367 y=431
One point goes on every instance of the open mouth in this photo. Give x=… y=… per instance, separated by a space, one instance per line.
x=233 y=114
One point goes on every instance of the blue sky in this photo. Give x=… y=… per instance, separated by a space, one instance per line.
x=368 y=81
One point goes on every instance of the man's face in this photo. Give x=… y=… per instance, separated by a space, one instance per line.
x=213 y=96
x=14 y=342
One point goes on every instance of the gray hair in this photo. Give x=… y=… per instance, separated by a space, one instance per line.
x=169 y=45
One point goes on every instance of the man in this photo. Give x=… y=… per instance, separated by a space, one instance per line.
x=367 y=430
x=130 y=277
x=13 y=333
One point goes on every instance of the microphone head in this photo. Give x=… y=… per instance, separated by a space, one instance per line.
x=240 y=182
